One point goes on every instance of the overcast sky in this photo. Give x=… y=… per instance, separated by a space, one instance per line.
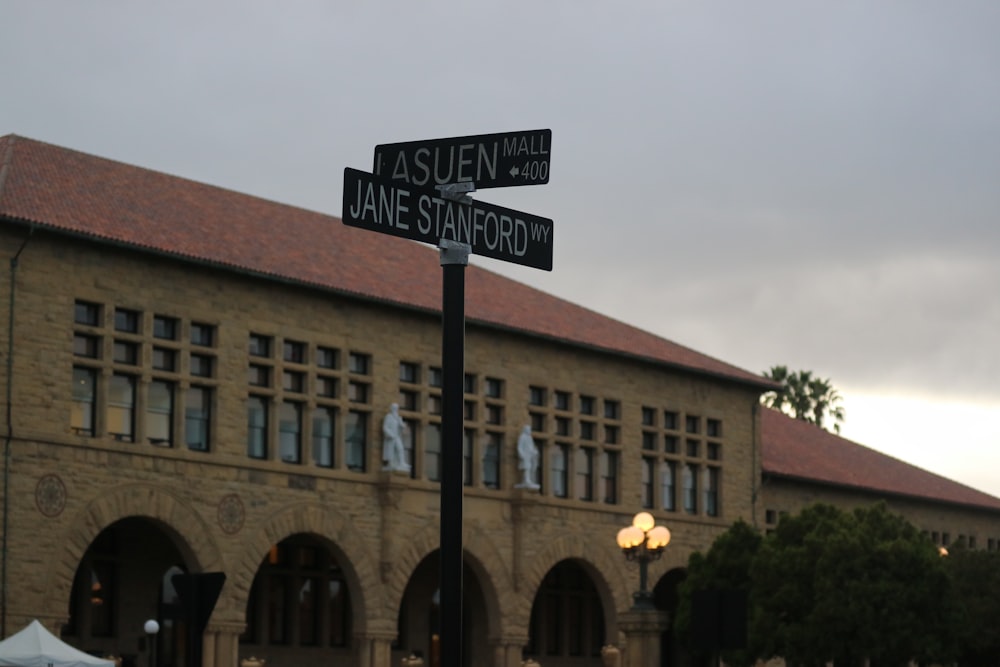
x=815 y=184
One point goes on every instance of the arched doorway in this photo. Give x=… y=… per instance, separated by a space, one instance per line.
x=567 y=618
x=419 y=625
x=299 y=609
x=117 y=587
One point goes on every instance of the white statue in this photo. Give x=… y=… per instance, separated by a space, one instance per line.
x=393 y=450
x=527 y=454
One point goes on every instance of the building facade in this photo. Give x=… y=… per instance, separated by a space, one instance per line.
x=196 y=382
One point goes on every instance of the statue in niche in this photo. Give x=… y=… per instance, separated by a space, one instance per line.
x=527 y=455
x=393 y=450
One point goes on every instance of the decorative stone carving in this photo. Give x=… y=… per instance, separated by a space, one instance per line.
x=231 y=514
x=50 y=495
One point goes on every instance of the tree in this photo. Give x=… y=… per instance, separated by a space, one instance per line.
x=726 y=566
x=848 y=587
x=804 y=397
x=974 y=606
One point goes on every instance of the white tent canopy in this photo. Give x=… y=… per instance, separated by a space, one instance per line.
x=34 y=646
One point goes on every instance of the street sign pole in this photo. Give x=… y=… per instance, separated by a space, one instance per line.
x=454 y=259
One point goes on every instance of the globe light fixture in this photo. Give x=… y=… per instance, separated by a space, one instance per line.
x=643 y=541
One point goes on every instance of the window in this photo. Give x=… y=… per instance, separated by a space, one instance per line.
x=326 y=357
x=164 y=359
x=87 y=313
x=290 y=432
x=85 y=345
x=712 y=491
x=610 y=435
x=82 y=413
x=202 y=334
x=692 y=424
x=259 y=376
x=586 y=430
x=165 y=327
x=468 y=451
x=126 y=321
x=469 y=383
x=587 y=405
x=257 y=427
x=668 y=482
x=357 y=392
x=494 y=414
x=690 y=481
x=609 y=476
x=491 y=461
x=670 y=420
x=409 y=372
x=537 y=422
x=494 y=388
x=408 y=400
x=294 y=352
x=434 y=377
x=323 y=428
x=713 y=451
x=670 y=444
x=356 y=440
x=359 y=363
x=647 y=482
x=121 y=407
x=562 y=400
x=293 y=381
x=560 y=456
x=160 y=413
x=260 y=346
x=126 y=353
x=584 y=473
x=649 y=440
x=201 y=365
x=713 y=428
x=612 y=409
x=326 y=386
x=469 y=411
x=648 y=416
x=197 y=418
x=536 y=396
x=432 y=452
x=562 y=426
x=693 y=448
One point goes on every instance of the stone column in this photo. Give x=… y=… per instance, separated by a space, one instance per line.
x=508 y=651
x=221 y=645
x=642 y=629
x=375 y=649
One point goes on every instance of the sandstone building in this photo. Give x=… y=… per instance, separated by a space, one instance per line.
x=195 y=381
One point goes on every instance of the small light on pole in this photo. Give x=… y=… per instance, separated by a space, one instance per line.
x=643 y=541
x=151 y=627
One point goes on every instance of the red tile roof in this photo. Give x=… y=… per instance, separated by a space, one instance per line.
x=69 y=191
x=795 y=449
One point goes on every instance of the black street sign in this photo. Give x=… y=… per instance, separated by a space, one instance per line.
x=488 y=160
x=421 y=214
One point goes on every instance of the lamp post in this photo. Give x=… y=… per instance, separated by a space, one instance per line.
x=151 y=627
x=643 y=541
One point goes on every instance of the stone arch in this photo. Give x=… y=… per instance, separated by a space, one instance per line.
x=479 y=552
x=337 y=533
x=604 y=564
x=186 y=528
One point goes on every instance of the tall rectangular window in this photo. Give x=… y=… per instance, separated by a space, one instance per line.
x=121 y=407
x=712 y=491
x=323 y=424
x=609 y=476
x=585 y=473
x=647 y=482
x=690 y=483
x=468 y=447
x=82 y=414
x=290 y=432
x=197 y=418
x=432 y=452
x=160 y=413
x=560 y=454
x=668 y=481
x=409 y=437
x=356 y=440
x=491 y=461
x=257 y=427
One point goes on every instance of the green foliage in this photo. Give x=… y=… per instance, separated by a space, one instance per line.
x=725 y=566
x=974 y=606
x=829 y=585
x=804 y=397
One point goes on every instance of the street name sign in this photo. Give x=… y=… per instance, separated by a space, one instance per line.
x=422 y=214
x=487 y=160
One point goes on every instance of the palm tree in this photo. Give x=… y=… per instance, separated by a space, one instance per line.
x=804 y=397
